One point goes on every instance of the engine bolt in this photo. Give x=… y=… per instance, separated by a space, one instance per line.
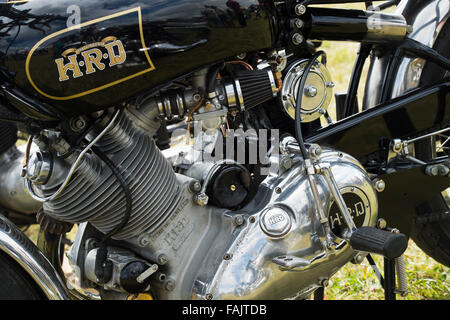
x=300 y=9
x=286 y=162
x=201 y=199
x=311 y=91
x=34 y=168
x=197 y=97
x=238 y=220
x=170 y=285
x=144 y=240
x=297 y=39
x=209 y=296
x=162 y=259
x=77 y=124
x=315 y=151
x=278 y=190
x=195 y=186
x=61 y=146
x=397 y=146
x=233 y=187
x=252 y=219
x=298 y=23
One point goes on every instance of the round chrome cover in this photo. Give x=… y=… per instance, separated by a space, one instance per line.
x=275 y=222
x=317 y=93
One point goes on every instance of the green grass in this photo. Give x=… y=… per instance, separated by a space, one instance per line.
x=427 y=279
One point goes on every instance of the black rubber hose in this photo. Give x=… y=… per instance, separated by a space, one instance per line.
x=298 y=104
x=126 y=190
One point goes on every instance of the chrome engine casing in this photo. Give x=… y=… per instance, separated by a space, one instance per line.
x=273 y=248
x=275 y=255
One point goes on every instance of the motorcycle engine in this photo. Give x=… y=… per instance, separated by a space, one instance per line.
x=201 y=231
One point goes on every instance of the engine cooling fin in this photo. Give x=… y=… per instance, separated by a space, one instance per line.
x=94 y=194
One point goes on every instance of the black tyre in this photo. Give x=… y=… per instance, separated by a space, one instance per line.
x=15 y=283
x=431 y=228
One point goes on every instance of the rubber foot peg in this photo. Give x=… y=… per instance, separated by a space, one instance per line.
x=369 y=239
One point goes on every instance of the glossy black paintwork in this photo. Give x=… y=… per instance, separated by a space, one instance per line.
x=180 y=36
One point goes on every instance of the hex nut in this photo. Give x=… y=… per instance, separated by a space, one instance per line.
x=162 y=259
x=300 y=9
x=238 y=220
x=297 y=38
x=195 y=186
x=201 y=199
x=170 y=285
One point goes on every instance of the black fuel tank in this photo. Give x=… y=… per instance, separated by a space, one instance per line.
x=119 y=48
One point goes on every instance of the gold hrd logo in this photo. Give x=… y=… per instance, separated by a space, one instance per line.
x=92 y=58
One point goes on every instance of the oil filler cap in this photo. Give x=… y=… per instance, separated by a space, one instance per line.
x=275 y=221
